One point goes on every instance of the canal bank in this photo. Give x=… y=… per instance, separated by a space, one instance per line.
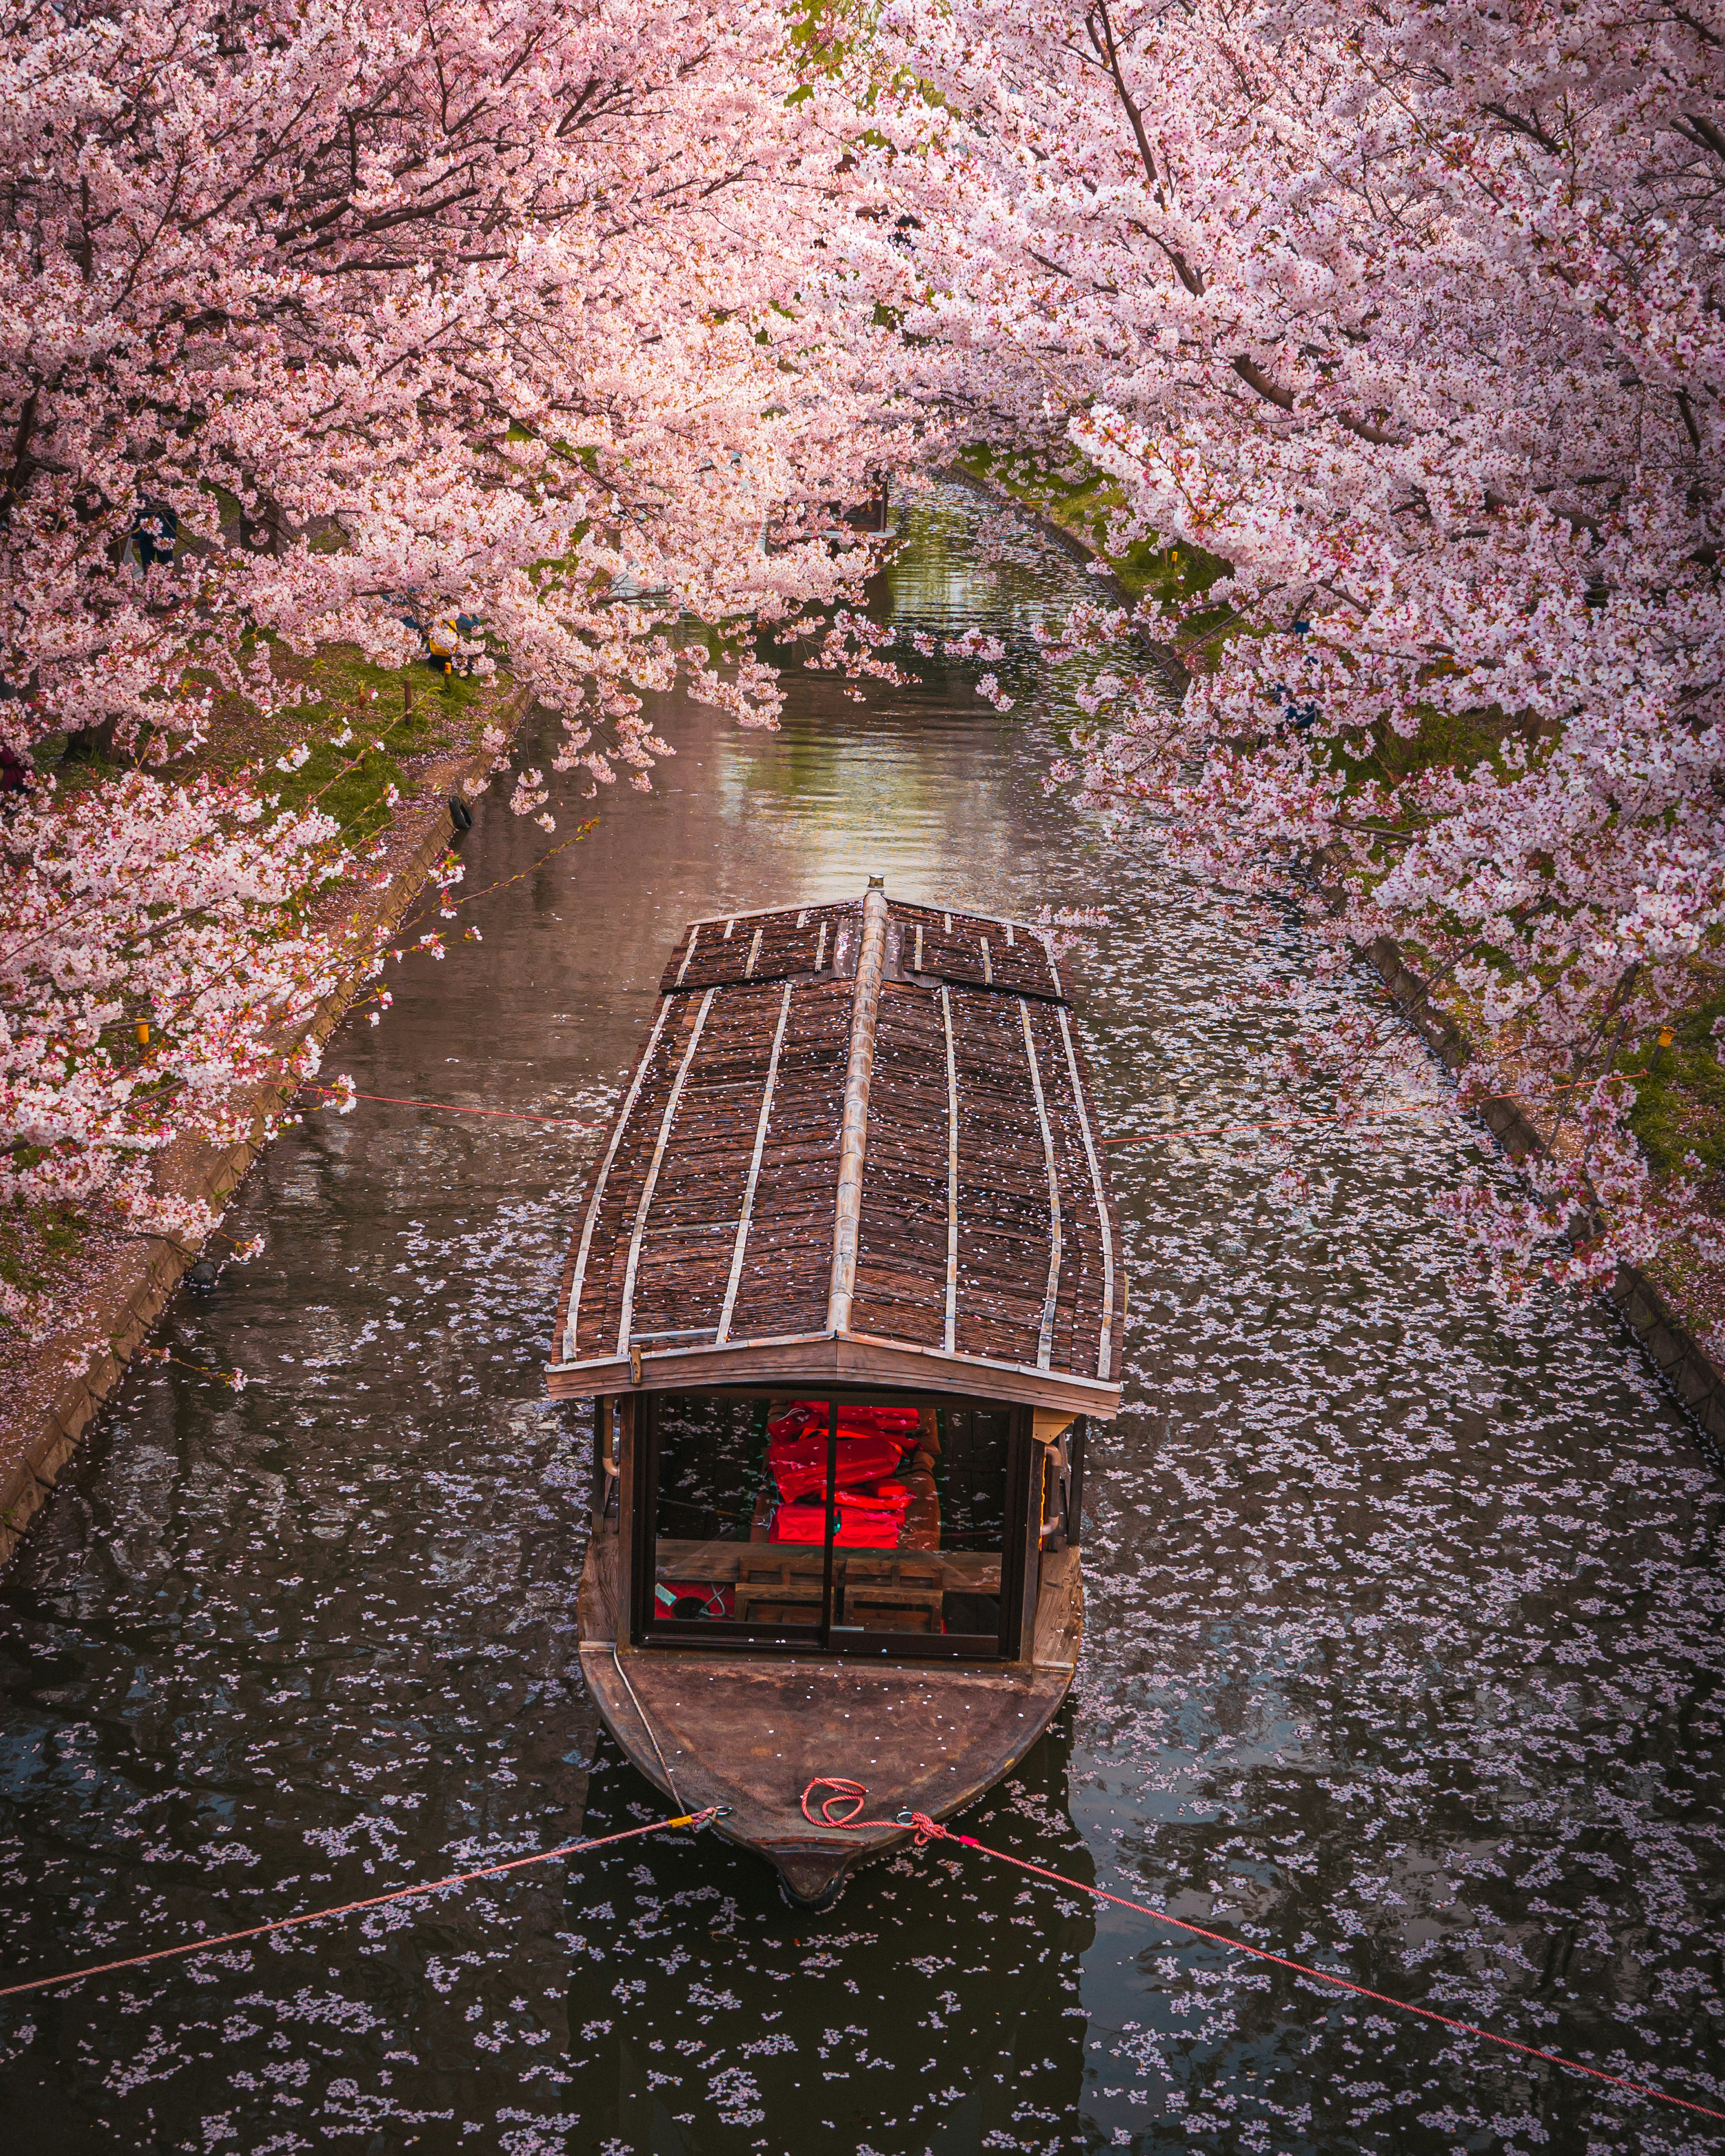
x=1678 y=1356
x=1404 y=1647
x=117 y=1292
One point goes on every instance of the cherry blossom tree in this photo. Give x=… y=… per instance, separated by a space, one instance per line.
x=323 y=324
x=361 y=311
x=124 y=1022
x=1413 y=316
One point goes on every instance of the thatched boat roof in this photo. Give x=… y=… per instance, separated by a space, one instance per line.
x=857 y=1147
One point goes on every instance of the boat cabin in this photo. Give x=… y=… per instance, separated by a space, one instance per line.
x=845 y=1290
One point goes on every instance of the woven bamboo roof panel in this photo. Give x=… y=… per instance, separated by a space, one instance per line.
x=857 y=1144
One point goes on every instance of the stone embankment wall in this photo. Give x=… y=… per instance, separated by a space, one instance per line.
x=1688 y=1372
x=73 y=1372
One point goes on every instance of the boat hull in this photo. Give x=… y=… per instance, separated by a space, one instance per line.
x=750 y=1732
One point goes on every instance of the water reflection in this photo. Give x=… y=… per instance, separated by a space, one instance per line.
x=1404 y=1623
x=939 y=2009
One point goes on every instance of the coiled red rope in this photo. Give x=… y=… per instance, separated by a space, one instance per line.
x=348 y=1908
x=927 y=1829
x=847 y=1792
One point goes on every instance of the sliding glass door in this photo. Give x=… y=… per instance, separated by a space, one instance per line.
x=863 y=1523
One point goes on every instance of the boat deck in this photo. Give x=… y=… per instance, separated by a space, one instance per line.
x=752 y=1731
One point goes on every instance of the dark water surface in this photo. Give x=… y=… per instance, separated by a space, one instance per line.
x=1403 y=1622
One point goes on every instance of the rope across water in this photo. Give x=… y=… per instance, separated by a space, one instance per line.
x=840 y=1809
x=853 y=1795
x=350 y=1908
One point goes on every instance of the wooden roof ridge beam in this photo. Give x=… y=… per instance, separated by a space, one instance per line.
x=854 y=1129
x=950 y=1334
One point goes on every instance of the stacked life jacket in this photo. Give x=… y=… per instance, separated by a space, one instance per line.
x=872 y=1442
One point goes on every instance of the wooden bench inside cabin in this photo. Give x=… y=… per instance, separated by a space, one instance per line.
x=891 y=1594
x=888 y=1594
x=781 y=1587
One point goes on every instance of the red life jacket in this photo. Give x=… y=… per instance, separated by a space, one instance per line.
x=868 y=1519
x=799 y=1463
x=803 y=1417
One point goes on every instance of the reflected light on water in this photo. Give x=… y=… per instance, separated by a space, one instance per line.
x=1403 y=1627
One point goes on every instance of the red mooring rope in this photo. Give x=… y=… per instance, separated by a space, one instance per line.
x=925 y=1829
x=348 y=1908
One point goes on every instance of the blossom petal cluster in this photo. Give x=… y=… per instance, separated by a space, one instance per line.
x=1412 y=320
x=348 y=324
x=525 y=335
x=159 y=962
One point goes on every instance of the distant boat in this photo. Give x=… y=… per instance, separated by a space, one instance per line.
x=846 y=1291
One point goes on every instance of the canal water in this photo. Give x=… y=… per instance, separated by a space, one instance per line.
x=1404 y=1635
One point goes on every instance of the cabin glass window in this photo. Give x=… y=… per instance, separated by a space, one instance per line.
x=709 y=1458
x=867 y=1524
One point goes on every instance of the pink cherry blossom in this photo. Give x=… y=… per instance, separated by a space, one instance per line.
x=1410 y=318
x=539 y=332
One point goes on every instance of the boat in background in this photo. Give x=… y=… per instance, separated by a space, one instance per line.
x=846 y=1294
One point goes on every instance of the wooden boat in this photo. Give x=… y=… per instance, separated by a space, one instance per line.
x=846 y=1293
